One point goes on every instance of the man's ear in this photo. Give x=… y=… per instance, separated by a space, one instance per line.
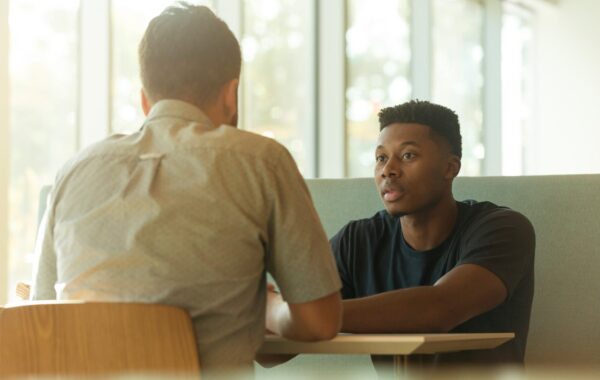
x=453 y=166
x=230 y=97
x=146 y=105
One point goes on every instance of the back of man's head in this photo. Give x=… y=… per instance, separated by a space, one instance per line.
x=188 y=53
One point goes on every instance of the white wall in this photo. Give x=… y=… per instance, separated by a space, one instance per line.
x=568 y=89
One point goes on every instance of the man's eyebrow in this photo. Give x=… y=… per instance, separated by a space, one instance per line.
x=410 y=143
x=414 y=143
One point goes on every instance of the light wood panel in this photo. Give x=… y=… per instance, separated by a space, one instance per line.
x=94 y=338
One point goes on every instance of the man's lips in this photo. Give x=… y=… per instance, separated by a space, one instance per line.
x=391 y=194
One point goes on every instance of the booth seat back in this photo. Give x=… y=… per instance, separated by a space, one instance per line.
x=565 y=212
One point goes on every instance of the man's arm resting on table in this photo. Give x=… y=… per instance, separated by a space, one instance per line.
x=461 y=294
x=310 y=321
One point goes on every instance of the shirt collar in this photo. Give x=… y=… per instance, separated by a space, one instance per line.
x=178 y=109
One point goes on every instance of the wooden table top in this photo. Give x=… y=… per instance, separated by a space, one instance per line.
x=387 y=344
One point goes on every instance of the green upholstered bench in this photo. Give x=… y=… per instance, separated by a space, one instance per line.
x=565 y=211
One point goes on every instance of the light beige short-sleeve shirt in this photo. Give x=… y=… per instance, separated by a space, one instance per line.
x=187 y=214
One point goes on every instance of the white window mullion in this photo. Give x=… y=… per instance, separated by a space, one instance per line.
x=310 y=133
x=231 y=12
x=492 y=89
x=94 y=116
x=332 y=89
x=421 y=43
x=4 y=150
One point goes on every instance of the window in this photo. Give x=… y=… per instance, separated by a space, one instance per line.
x=278 y=75
x=381 y=71
x=457 y=72
x=74 y=78
x=378 y=60
x=43 y=87
x=516 y=93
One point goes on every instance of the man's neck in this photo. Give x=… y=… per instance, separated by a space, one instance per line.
x=214 y=115
x=429 y=228
x=213 y=111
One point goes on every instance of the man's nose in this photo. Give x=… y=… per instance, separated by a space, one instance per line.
x=390 y=169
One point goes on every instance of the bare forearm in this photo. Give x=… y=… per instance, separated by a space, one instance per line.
x=417 y=309
x=461 y=294
x=314 y=320
x=311 y=328
x=281 y=323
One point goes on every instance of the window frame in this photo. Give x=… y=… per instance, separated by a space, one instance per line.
x=94 y=106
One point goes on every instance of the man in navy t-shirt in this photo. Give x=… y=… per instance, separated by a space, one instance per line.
x=428 y=263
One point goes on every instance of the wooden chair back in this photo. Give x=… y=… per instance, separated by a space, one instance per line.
x=96 y=338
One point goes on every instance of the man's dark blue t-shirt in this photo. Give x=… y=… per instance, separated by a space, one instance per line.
x=373 y=257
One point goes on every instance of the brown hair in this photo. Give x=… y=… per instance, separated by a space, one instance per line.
x=188 y=53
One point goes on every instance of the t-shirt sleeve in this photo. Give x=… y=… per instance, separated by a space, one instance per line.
x=298 y=254
x=503 y=242
x=342 y=251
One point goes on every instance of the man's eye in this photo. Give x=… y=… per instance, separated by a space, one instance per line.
x=408 y=156
x=379 y=158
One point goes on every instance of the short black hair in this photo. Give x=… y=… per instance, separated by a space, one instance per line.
x=188 y=53
x=442 y=120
